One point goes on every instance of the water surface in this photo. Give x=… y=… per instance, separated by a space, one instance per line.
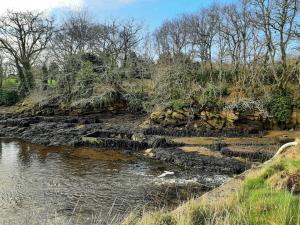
x=43 y=185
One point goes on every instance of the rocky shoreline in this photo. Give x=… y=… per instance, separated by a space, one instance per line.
x=124 y=132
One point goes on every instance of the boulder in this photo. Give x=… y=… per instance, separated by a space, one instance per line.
x=169 y=122
x=178 y=116
x=158 y=116
x=186 y=113
x=229 y=116
x=216 y=123
x=149 y=153
x=138 y=137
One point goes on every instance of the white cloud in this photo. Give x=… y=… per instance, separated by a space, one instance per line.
x=109 y=4
x=48 y=5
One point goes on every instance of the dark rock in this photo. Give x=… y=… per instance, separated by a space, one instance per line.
x=114 y=143
x=226 y=132
x=159 y=143
x=253 y=153
x=200 y=162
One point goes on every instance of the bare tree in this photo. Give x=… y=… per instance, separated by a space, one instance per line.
x=1 y=71
x=130 y=38
x=172 y=37
x=202 y=31
x=277 y=19
x=24 y=35
x=77 y=35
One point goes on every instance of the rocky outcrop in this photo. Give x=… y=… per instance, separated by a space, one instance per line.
x=203 y=132
x=253 y=153
x=125 y=145
x=199 y=162
x=204 y=120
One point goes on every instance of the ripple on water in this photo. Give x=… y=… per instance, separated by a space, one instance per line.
x=54 y=185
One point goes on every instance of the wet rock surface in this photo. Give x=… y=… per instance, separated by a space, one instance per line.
x=258 y=153
x=203 y=132
x=209 y=164
x=123 y=132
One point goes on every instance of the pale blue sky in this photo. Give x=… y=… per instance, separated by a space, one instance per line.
x=151 y=12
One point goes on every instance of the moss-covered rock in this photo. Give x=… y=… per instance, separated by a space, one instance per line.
x=158 y=116
x=178 y=116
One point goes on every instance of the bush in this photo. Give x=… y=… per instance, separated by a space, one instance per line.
x=137 y=102
x=281 y=108
x=86 y=79
x=175 y=86
x=8 y=97
x=246 y=106
x=211 y=97
x=216 y=91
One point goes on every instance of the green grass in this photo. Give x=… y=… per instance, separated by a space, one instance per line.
x=262 y=204
x=263 y=199
x=10 y=83
x=52 y=83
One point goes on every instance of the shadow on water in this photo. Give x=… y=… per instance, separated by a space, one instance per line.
x=50 y=185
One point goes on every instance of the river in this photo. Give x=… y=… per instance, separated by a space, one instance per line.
x=62 y=185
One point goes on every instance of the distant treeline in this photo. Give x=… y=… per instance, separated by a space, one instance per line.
x=249 y=45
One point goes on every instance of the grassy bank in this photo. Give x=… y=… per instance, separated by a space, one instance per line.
x=266 y=195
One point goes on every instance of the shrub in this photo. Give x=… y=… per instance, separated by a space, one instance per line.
x=138 y=102
x=281 y=108
x=86 y=79
x=8 y=97
x=245 y=106
x=215 y=91
x=174 y=85
x=211 y=96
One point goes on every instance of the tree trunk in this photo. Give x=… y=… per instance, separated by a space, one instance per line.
x=23 y=88
x=28 y=75
x=45 y=77
x=1 y=77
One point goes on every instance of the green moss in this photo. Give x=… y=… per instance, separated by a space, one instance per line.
x=52 y=83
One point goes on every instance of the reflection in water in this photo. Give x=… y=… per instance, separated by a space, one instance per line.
x=56 y=185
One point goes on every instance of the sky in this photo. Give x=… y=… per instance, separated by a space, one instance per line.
x=150 y=12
